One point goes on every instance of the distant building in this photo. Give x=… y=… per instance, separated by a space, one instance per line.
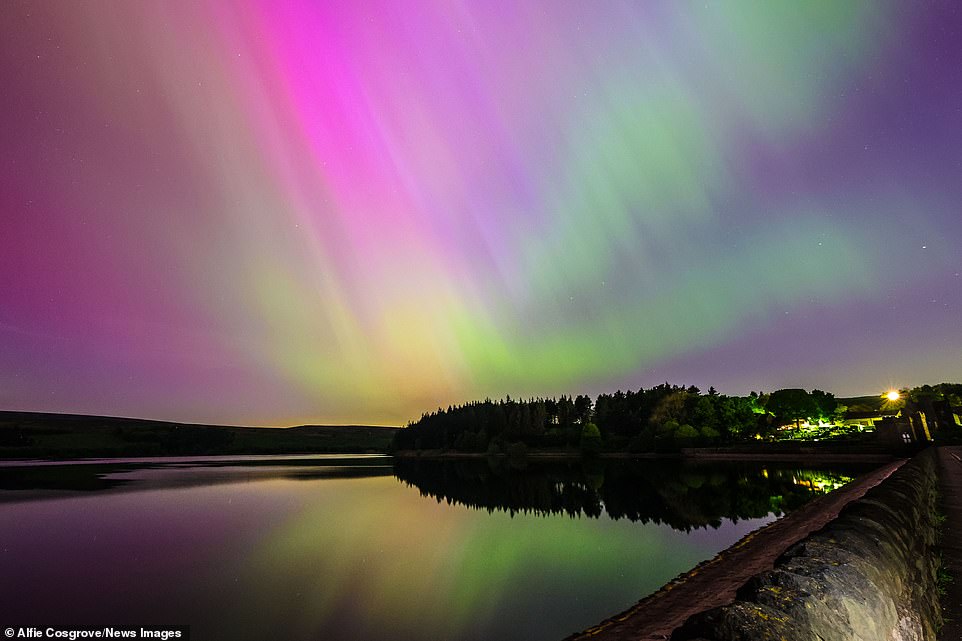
x=868 y=419
x=940 y=413
x=906 y=428
x=905 y=421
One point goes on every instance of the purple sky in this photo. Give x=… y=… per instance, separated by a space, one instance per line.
x=353 y=211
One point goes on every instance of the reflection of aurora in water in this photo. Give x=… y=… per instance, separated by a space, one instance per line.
x=302 y=550
x=428 y=570
x=682 y=496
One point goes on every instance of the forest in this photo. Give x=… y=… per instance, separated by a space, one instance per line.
x=663 y=418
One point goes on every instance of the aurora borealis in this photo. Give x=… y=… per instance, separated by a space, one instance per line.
x=353 y=211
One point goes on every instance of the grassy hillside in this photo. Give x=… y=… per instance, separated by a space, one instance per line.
x=871 y=403
x=34 y=434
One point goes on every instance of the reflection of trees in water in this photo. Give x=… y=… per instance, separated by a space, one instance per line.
x=683 y=496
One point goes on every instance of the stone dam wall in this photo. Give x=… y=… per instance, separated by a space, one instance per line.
x=870 y=574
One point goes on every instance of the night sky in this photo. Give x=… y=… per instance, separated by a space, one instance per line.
x=353 y=211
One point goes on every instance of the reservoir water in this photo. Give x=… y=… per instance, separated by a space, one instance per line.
x=365 y=547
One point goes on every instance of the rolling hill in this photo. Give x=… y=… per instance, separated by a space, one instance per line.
x=38 y=434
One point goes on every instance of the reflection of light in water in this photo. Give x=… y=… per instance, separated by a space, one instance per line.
x=819 y=481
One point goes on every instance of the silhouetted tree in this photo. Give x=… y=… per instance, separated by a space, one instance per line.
x=792 y=404
x=590 y=439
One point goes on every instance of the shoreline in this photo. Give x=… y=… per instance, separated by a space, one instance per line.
x=803 y=455
x=714 y=582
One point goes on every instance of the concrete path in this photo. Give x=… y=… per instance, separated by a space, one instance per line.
x=714 y=583
x=950 y=471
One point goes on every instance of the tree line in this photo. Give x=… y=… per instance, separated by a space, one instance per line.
x=662 y=417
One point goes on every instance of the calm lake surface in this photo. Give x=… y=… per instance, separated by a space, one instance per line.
x=359 y=548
